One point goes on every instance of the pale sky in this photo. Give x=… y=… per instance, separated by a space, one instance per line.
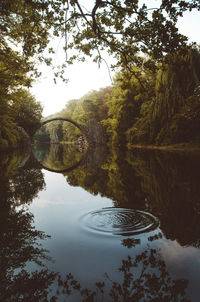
x=84 y=77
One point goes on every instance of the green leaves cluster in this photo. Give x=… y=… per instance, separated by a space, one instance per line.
x=163 y=118
x=128 y=30
x=18 y=108
x=18 y=44
x=24 y=35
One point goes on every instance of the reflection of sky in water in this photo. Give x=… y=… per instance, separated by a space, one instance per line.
x=183 y=261
x=60 y=192
x=88 y=256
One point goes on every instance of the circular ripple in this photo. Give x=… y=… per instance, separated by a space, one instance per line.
x=119 y=221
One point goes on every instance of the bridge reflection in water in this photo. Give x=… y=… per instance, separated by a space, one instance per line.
x=58 y=157
x=60 y=147
x=63 y=158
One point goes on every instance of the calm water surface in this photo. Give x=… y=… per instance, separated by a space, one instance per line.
x=92 y=226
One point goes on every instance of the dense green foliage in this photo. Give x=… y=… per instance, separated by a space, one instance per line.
x=166 y=112
x=17 y=106
x=126 y=29
x=24 y=27
x=164 y=116
x=18 y=109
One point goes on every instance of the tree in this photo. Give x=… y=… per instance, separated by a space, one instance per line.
x=26 y=111
x=13 y=74
x=170 y=113
x=131 y=32
x=123 y=28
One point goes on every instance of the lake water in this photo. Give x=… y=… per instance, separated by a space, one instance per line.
x=97 y=226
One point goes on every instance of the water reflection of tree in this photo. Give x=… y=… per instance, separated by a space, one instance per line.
x=144 y=278
x=171 y=185
x=163 y=183
x=153 y=282
x=18 y=247
x=19 y=185
x=113 y=178
x=19 y=240
x=25 y=185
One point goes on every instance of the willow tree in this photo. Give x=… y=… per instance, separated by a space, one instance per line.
x=171 y=115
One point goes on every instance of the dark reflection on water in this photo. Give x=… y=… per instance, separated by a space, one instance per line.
x=170 y=183
x=19 y=239
x=141 y=242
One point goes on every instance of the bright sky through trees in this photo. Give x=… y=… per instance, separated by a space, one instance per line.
x=87 y=76
x=83 y=77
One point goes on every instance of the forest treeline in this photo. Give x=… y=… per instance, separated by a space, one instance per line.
x=162 y=108
x=165 y=109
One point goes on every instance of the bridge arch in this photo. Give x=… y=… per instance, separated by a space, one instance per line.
x=80 y=127
x=93 y=132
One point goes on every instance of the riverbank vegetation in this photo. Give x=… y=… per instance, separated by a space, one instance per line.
x=18 y=108
x=166 y=112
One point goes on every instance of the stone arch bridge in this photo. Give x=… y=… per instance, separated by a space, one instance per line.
x=93 y=132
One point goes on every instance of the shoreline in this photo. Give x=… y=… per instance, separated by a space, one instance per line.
x=186 y=148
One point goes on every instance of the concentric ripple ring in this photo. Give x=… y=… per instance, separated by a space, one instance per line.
x=119 y=221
